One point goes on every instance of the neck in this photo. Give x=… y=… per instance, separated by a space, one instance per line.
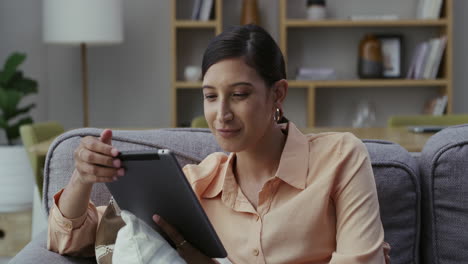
x=261 y=162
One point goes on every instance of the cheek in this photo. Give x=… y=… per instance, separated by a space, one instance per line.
x=210 y=112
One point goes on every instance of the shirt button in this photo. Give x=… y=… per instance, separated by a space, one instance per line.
x=68 y=226
x=255 y=252
x=257 y=218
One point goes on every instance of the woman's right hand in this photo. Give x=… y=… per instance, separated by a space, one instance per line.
x=95 y=160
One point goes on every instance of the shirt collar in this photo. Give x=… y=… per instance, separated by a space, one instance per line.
x=292 y=169
x=294 y=162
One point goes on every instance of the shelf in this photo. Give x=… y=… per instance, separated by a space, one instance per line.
x=367 y=23
x=367 y=83
x=187 y=85
x=195 y=24
x=341 y=83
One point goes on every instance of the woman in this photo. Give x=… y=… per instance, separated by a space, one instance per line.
x=279 y=197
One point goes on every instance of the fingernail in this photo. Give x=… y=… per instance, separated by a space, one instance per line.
x=156 y=218
x=114 y=152
x=116 y=163
x=115 y=178
x=120 y=172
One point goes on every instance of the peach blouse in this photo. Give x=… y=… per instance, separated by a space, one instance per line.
x=320 y=207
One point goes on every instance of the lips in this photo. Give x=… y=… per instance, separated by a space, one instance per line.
x=228 y=133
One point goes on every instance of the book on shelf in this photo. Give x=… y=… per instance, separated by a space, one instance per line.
x=202 y=10
x=206 y=10
x=427 y=58
x=429 y=9
x=196 y=9
x=315 y=74
x=436 y=106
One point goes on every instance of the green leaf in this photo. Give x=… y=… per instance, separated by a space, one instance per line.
x=11 y=64
x=3 y=122
x=25 y=86
x=23 y=110
x=13 y=130
x=9 y=100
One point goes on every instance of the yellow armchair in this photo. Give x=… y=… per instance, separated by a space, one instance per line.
x=36 y=133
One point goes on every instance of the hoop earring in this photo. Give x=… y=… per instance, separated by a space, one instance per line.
x=278 y=115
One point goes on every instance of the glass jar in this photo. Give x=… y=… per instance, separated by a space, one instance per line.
x=316 y=10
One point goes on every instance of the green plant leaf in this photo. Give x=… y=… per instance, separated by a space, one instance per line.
x=22 y=110
x=11 y=64
x=25 y=86
x=9 y=100
x=3 y=122
x=13 y=130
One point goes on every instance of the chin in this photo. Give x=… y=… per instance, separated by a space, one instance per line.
x=230 y=145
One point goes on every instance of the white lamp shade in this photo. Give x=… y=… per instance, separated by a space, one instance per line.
x=82 y=21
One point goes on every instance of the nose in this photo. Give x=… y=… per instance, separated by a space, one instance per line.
x=224 y=113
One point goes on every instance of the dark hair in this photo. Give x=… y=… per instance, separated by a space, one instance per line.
x=254 y=44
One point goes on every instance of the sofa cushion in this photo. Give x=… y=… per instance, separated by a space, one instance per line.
x=189 y=146
x=398 y=187
x=444 y=178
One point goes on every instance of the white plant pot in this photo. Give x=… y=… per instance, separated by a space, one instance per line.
x=16 y=179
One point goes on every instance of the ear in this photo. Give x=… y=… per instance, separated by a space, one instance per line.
x=280 y=90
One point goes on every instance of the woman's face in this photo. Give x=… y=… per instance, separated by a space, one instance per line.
x=238 y=106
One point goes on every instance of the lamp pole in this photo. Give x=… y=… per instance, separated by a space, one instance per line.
x=84 y=82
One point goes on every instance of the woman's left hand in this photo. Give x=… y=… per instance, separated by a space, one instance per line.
x=189 y=253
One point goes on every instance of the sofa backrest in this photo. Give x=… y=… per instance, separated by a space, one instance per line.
x=396 y=175
x=444 y=179
x=189 y=145
x=398 y=187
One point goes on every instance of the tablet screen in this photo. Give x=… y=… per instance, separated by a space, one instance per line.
x=155 y=184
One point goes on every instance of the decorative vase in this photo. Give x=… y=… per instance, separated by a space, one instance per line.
x=16 y=179
x=370 y=63
x=250 y=13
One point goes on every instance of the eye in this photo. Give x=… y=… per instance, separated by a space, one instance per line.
x=240 y=95
x=210 y=97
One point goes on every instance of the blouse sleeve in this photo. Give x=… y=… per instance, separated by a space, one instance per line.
x=74 y=237
x=359 y=231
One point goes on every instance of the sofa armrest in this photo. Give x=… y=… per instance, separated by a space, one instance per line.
x=36 y=252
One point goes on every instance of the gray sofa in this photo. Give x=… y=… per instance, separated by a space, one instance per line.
x=423 y=200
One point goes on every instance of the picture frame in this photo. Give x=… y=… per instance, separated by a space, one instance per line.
x=392 y=55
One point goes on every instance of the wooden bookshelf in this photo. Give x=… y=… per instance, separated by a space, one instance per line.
x=378 y=83
x=443 y=83
x=367 y=23
x=178 y=24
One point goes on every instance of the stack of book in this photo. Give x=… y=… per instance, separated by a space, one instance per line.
x=202 y=10
x=429 y=9
x=426 y=59
x=316 y=74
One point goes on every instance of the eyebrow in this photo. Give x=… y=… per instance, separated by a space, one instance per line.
x=231 y=85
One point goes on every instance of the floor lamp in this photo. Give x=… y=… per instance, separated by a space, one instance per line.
x=83 y=23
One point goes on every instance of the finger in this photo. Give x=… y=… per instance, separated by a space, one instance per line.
x=106 y=137
x=90 y=169
x=173 y=234
x=88 y=156
x=95 y=145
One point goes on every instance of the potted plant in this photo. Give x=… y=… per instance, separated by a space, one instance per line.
x=16 y=180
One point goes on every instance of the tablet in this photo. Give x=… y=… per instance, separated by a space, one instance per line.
x=154 y=183
x=426 y=129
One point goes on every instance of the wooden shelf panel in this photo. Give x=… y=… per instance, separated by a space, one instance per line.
x=367 y=83
x=187 y=85
x=194 y=24
x=367 y=23
x=341 y=83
